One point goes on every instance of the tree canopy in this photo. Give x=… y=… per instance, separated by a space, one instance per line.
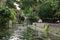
x=41 y=8
x=36 y=9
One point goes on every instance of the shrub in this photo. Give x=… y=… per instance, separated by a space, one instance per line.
x=5 y=16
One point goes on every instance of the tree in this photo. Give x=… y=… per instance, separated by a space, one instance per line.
x=10 y=3
x=5 y=16
x=45 y=9
x=48 y=11
x=28 y=10
x=7 y=13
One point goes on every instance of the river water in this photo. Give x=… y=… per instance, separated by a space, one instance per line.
x=17 y=32
x=20 y=28
x=13 y=33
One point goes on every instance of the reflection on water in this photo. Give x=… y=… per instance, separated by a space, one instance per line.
x=11 y=34
x=22 y=33
x=15 y=33
x=18 y=33
x=5 y=33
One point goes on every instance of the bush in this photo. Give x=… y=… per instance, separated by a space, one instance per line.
x=5 y=16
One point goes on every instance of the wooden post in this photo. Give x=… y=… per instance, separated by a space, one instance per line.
x=10 y=24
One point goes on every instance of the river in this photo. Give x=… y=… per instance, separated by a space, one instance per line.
x=17 y=32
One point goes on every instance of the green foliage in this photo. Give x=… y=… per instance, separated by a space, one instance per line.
x=27 y=9
x=13 y=14
x=37 y=8
x=49 y=9
x=5 y=16
x=10 y=3
x=32 y=16
x=5 y=33
x=26 y=3
x=45 y=31
x=44 y=8
x=30 y=34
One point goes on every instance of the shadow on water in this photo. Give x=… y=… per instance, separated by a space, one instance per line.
x=5 y=33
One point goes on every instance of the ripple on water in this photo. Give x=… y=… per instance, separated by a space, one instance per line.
x=15 y=38
x=17 y=33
